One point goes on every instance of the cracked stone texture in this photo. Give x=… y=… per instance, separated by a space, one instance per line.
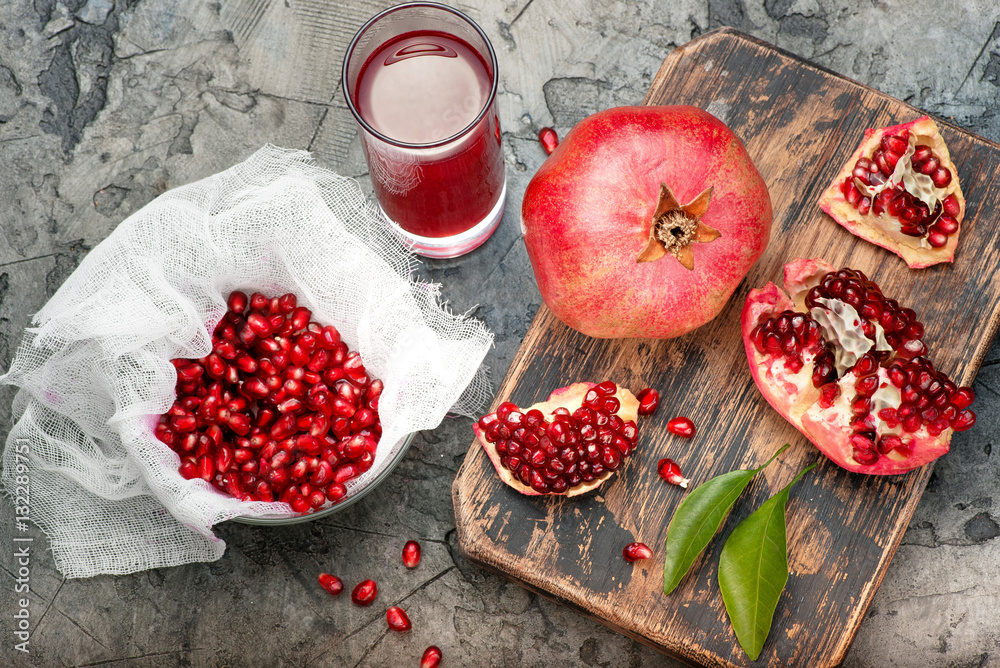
x=105 y=104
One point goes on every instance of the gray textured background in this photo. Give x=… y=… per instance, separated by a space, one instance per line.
x=104 y=104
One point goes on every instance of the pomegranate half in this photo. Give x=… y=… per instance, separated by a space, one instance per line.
x=847 y=366
x=567 y=445
x=900 y=190
x=643 y=221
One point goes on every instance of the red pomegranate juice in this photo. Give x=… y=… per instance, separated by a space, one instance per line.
x=424 y=88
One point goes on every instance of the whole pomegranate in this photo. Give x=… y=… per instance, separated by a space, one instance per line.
x=847 y=366
x=900 y=190
x=567 y=445
x=643 y=221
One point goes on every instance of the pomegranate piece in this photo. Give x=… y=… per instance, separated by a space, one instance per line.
x=567 y=445
x=847 y=366
x=900 y=190
x=280 y=410
x=681 y=426
x=549 y=140
x=364 y=593
x=666 y=258
x=671 y=472
x=411 y=554
x=431 y=657
x=649 y=399
x=331 y=583
x=634 y=551
x=397 y=618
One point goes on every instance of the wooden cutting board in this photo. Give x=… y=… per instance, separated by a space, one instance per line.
x=800 y=123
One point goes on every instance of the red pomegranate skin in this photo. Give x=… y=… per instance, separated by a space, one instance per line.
x=587 y=214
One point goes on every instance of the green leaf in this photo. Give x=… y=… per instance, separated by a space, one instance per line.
x=753 y=570
x=699 y=517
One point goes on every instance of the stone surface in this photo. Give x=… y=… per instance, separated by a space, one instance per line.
x=105 y=104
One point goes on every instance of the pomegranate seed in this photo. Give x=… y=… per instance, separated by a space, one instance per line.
x=411 y=554
x=634 y=551
x=930 y=166
x=190 y=372
x=397 y=619
x=336 y=492
x=681 y=426
x=607 y=388
x=671 y=472
x=331 y=583
x=549 y=139
x=941 y=177
x=866 y=385
x=936 y=238
x=951 y=206
x=189 y=470
x=649 y=399
x=964 y=420
x=206 y=468
x=299 y=503
x=431 y=657
x=364 y=593
x=260 y=325
x=963 y=397
x=345 y=473
x=237 y=302
x=921 y=153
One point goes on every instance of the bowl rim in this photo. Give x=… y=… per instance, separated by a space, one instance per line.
x=337 y=507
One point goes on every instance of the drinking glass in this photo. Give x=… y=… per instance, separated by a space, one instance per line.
x=421 y=81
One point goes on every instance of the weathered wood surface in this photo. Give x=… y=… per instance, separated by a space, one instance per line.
x=800 y=123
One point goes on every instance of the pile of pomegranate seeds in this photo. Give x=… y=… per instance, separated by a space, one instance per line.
x=280 y=410
x=863 y=190
x=926 y=397
x=568 y=449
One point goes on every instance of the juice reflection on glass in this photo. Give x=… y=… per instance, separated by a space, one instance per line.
x=421 y=80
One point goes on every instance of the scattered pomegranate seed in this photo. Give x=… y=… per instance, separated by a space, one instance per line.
x=635 y=551
x=411 y=554
x=364 y=593
x=671 y=472
x=681 y=426
x=549 y=140
x=431 y=657
x=331 y=583
x=397 y=618
x=649 y=399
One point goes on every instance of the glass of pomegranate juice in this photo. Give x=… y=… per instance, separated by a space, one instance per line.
x=421 y=81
